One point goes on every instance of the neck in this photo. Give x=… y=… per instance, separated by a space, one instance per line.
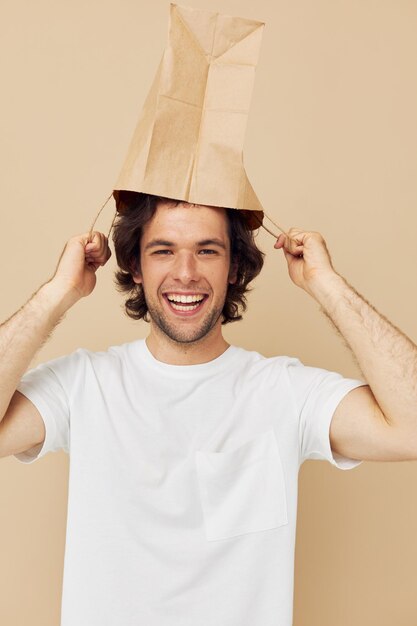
x=175 y=353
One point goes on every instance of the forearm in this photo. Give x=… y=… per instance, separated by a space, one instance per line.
x=25 y=332
x=385 y=355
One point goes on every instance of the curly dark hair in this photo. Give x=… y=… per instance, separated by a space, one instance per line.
x=126 y=238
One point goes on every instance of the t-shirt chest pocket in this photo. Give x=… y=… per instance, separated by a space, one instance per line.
x=242 y=490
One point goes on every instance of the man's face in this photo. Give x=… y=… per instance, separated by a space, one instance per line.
x=185 y=267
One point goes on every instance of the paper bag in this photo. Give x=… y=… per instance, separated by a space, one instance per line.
x=188 y=143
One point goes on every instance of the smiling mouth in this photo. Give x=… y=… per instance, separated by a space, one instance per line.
x=176 y=305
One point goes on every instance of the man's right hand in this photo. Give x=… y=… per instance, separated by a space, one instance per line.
x=79 y=261
x=21 y=336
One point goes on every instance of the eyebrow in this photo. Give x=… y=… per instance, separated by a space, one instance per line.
x=205 y=242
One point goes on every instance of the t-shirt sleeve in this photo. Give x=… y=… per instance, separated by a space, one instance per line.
x=46 y=386
x=317 y=393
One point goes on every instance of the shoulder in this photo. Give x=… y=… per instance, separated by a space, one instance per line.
x=77 y=362
x=261 y=368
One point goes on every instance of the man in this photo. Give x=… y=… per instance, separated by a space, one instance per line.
x=185 y=450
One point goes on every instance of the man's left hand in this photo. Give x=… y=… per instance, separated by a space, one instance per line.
x=307 y=257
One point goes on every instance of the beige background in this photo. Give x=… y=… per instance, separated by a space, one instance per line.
x=331 y=146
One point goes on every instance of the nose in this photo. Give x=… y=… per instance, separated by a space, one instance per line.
x=185 y=268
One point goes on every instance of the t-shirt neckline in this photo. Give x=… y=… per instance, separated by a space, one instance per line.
x=217 y=364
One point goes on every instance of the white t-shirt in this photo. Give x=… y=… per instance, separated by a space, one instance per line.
x=182 y=481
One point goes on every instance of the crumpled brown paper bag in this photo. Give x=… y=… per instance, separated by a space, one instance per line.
x=188 y=143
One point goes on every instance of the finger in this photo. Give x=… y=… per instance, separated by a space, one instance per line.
x=93 y=264
x=97 y=259
x=297 y=235
x=98 y=245
x=95 y=241
x=293 y=246
x=98 y=248
x=293 y=258
x=280 y=242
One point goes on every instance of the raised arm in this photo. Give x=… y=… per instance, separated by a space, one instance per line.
x=377 y=422
x=21 y=336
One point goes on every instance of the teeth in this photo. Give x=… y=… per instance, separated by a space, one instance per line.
x=181 y=307
x=184 y=299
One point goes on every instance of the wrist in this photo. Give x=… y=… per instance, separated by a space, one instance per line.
x=326 y=286
x=56 y=297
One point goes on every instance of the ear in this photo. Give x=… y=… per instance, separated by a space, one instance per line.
x=136 y=274
x=233 y=273
x=137 y=278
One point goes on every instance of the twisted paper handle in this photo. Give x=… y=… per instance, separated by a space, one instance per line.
x=254 y=215
x=90 y=235
x=276 y=225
